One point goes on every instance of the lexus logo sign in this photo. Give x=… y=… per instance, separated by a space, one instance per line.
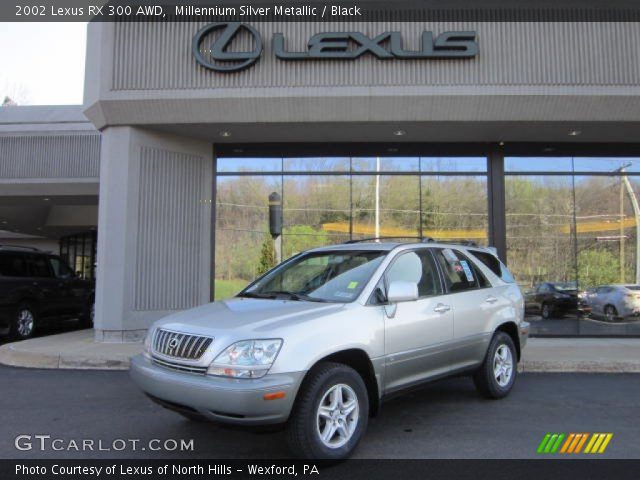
x=216 y=55
x=222 y=60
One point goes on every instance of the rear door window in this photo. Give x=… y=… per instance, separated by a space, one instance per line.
x=38 y=266
x=459 y=272
x=12 y=265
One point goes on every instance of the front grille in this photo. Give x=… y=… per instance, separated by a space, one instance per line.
x=179 y=367
x=180 y=345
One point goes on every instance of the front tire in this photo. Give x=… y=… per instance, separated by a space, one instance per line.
x=495 y=378
x=546 y=311
x=330 y=414
x=24 y=322
x=610 y=313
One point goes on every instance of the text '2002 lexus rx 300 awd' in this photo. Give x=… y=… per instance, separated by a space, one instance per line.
x=319 y=341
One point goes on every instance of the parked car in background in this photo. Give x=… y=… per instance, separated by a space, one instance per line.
x=318 y=343
x=614 y=302
x=554 y=299
x=38 y=288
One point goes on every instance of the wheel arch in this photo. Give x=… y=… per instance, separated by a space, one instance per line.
x=511 y=329
x=361 y=363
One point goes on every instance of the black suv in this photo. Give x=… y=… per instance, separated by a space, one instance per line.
x=38 y=288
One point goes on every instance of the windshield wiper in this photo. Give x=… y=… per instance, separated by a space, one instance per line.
x=298 y=296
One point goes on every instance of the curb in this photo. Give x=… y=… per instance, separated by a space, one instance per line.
x=14 y=357
x=534 y=366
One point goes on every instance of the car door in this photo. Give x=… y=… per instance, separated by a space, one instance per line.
x=72 y=291
x=544 y=294
x=600 y=299
x=475 y=303
x=45 y=285
x=418 y=333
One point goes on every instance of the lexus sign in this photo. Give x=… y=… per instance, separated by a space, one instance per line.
x=218 y=53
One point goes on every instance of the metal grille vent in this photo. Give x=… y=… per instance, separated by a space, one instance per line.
x=180 y=345
x=178 y=367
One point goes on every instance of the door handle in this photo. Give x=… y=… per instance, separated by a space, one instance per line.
x=441 y=308
x=491 y=300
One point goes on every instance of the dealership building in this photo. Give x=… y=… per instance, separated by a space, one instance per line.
x=520 y=135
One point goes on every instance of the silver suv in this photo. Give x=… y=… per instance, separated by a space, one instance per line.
x=317 y=343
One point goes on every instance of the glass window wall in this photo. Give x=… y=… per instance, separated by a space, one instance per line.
x=334 y=199
x=572 y=243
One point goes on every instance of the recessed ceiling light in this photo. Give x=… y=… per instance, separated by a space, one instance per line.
x=4 y=222
x=46 y=199
x=501 y=144
x=399 y=133
x=574 y=133
x=225 y=133
x=39 y=228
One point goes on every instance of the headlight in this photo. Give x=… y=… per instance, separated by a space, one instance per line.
x=246 y=359
x=146 y=345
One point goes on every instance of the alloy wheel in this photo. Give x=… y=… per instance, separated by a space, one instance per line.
x=546 y=311
x=503 y=365
x=610 y=314
x=337 y=415
x=25 y=322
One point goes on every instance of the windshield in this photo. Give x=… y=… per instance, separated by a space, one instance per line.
x=565 y=286
x=329 y=276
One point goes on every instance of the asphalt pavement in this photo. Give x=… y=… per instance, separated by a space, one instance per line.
x=446 y=419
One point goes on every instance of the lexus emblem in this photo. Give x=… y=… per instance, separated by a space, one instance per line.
x=173 y=343
x=216 y=56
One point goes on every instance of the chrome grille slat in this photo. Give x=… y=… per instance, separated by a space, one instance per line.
x=179 y=367
x=180 y=345
x=192 y=343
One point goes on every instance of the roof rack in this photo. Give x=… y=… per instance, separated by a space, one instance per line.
x=373 y=239
x=465 y=243
x=19 y=247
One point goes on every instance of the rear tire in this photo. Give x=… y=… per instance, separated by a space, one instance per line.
x=24 y=322
x=330 y=414
x=546 y=311
x=495 y=378
x=88 y=314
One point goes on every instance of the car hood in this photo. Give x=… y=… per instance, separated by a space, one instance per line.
x=248 y=314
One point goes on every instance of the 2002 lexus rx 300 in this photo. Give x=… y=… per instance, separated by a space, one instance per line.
x=318 y=342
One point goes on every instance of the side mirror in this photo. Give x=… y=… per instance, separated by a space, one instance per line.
x=402 y=292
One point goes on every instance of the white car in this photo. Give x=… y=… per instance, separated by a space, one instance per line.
x=614 y=302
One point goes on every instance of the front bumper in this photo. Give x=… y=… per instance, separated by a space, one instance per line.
x=227 y=400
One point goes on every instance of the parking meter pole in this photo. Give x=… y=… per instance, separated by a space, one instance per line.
x=275 y=224
x=277 y=247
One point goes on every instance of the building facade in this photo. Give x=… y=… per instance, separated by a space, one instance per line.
x=527 y=143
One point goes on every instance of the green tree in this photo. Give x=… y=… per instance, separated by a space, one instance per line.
x=298 y=238
x=597 y=267
x=267 y=256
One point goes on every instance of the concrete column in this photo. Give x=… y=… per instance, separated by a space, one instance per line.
x=154 y=227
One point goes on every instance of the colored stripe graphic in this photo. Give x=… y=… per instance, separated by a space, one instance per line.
x=573 y=443
x=598 y=443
